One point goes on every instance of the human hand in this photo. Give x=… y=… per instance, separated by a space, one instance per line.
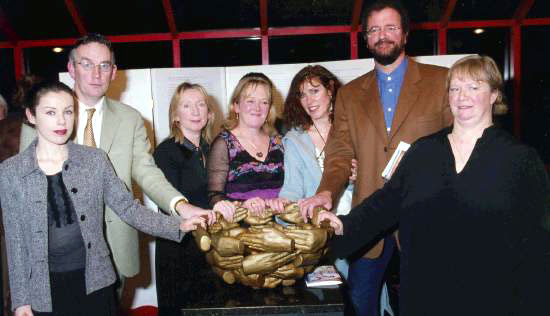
x=292 y=214
x=24 y=310
x=334 y=221
x=266 y=262
x=186 y=211
x=307 y=206
x=353 y=176
x=267 y=239
x=226 y=208
x=277 y=205
x=307 y=238
x=256 y=205
x=187 y=225
x=227 y=263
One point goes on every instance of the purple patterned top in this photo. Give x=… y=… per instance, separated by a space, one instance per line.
x=245 y=176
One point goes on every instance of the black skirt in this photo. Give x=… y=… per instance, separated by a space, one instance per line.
x=182 y=273
x=69 y=297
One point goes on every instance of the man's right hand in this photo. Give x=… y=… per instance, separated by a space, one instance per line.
x=323 y=199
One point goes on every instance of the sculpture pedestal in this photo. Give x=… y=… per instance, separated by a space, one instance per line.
x=242 y=300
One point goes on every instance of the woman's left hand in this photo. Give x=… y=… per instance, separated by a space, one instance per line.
x=187 y=225
x=256 y=205
x=277 y=205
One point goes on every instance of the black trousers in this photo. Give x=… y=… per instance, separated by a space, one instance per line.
x=69 y=297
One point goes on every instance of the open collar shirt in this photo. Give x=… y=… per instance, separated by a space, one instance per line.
x=389 y=87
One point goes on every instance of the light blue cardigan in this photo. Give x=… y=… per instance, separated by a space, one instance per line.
x=302 y=173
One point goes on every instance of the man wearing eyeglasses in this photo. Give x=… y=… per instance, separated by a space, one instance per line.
x=119 y=130
x=400 y=100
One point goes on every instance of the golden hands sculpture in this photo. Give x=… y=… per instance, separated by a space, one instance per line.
x=258 y=252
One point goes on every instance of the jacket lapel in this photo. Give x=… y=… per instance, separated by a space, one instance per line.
x=407 y=97
x=109 y=126
x=373 y=108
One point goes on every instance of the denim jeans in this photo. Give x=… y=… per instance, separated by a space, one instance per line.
x=365 y=280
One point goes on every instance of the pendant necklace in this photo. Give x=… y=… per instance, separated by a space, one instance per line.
x=323 y=139
x=259 y=153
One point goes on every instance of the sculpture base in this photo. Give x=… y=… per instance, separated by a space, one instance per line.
x=242 y=300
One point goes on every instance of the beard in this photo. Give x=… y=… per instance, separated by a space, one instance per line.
x=387 y=58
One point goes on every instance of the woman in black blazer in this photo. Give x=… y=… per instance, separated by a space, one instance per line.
x=181 y=269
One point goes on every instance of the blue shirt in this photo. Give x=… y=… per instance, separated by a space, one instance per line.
x=389 y=87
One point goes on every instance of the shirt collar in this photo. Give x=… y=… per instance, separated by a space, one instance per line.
x=189 y=145
x=397 y=73
x=98 y=106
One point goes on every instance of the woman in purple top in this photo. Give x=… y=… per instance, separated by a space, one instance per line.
x=246 y=159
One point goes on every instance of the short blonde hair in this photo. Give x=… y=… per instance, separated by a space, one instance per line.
x=481 y=68
x=208 y=130
x=252 y=81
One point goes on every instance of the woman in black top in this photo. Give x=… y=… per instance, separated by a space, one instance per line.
x=472 y=205
x=181 y=269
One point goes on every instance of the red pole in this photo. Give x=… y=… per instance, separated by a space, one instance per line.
x=176 y=53
x=18 y=62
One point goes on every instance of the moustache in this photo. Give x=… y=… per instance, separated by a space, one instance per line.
x=384 y=41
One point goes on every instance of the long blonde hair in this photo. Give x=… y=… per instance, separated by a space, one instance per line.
x=252 y=81
x=208 y=131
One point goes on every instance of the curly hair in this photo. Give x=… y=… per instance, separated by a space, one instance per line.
x=294 y=115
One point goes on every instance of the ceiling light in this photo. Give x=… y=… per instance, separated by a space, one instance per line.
x=479 y=31
x=57 y=49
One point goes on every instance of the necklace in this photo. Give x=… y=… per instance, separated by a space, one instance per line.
x=323 y=139
x=259 y=153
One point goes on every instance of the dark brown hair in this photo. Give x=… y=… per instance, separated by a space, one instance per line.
x=383 y=4
x=294 y=115
x=31 y=89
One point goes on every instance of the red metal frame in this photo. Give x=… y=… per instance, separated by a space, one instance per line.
x=264 y=32
x=169 y=14
x=77 y=20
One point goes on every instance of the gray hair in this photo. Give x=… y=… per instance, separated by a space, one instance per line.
x=92 y=38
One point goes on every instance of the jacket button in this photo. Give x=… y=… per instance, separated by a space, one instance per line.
x=82 y=217
x=66 y=167
x=385 y=149
x=89 y=245
x=74 y=190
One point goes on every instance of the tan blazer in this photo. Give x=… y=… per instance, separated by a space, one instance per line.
x=359 y=129
x=124 y=138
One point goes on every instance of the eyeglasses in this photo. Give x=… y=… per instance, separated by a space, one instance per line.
x=87 y=65
x=375 y=30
